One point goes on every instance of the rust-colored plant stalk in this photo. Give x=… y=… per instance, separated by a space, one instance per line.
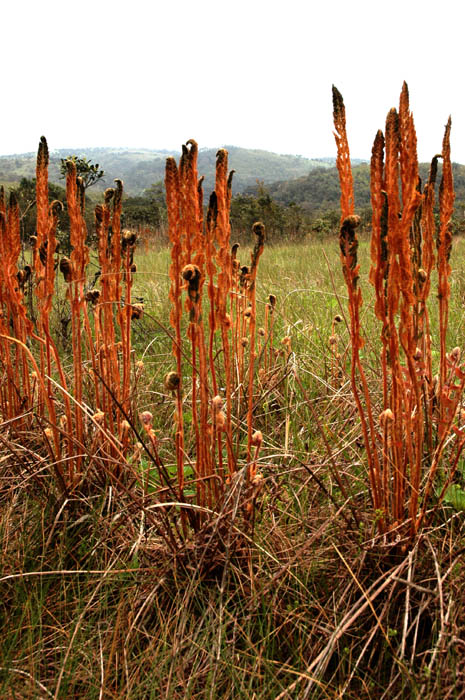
x=177 y=260
x=259 y=231
x=402 y=471
x=202 y=258
x=348 y=244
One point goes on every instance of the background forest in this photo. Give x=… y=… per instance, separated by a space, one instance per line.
x=294 y=196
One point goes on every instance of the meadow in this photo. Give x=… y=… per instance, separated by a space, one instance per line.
x=235 y=472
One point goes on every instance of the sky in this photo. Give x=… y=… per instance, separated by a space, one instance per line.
x=250 y=73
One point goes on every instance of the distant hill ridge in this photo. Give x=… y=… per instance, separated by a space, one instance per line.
x=312 y=183
x=319 y=190
x=141 y=167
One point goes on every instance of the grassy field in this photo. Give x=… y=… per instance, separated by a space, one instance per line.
x=306 y=603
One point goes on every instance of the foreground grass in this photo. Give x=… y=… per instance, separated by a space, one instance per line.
x=93 y=606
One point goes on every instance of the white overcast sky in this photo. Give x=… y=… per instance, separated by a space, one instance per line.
x=252 y=73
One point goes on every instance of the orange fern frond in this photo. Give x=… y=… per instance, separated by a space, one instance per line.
x=343 y=156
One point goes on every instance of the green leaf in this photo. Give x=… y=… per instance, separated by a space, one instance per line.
x=455 y=497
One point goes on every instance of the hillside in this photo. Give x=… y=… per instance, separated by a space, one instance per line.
x=319 y=190
x=311 y=183
x=140 y=168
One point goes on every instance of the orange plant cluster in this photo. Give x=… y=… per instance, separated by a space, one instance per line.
x=420 y=422
x=36 y=386
x=88 y=415
x=206 y=267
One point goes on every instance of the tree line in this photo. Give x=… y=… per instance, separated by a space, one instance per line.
x=290 y=209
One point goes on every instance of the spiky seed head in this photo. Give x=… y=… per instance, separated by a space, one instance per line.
x=99 y=417
x=66 y=268
x=124 y=428
x=230 y=178
x=259 y=230
x=352 y=221
x=221 y=156
x=257 y=438
x=128 y=240
x=146 y=418
x=248 y=312
x=22 y=276
x=190 y=273
x=217 y=403
x=92 y=296
x=171 y=381
x=244 y=342
x=261 y=332
x=386 y=417
x=338 y=103
x=56 y=207
x=108 y=195
x=42 y=154
x=118 y=191
x=137 y=311
x=70 y=166
x=98 y=212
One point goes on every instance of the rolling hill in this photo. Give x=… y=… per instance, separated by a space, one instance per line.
x=319 y=190
x=140 y=168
